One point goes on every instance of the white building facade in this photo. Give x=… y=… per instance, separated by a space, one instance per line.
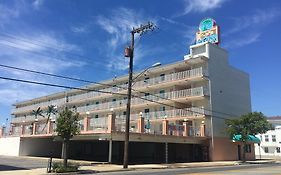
x=270 y=141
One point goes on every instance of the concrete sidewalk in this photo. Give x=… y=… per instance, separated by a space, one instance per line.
x=94 y=167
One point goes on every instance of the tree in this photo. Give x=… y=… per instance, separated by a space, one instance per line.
x=38 y=112
x=252 y=123
x=67 y=127
x=51 y=110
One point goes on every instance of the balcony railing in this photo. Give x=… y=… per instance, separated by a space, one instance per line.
x=29 y=118
x=200 y=91
x=36 y=106
x=198 y=72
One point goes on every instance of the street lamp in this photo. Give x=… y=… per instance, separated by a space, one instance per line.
x=129 y=52
x=145 y=70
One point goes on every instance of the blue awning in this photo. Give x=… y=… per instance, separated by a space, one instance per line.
x=251 y=138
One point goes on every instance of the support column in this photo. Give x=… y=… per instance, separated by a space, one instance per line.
x=165 y=125
x=166 y=153
x=22 y=130
x=34 y=128
x=110 y=151
x=86 y=121
x=185 y=129
x=111 y=122
x=141 y=124
x=202 y=130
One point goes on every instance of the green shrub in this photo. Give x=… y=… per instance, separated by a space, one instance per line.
x=58 y=167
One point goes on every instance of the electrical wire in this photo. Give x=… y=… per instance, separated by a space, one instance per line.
x=107 y=92
x=87 y=81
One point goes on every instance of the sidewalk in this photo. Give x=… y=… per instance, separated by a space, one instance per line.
x=94 y=167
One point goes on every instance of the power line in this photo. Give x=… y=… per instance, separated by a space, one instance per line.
x=59 y=86
x=87 y=81
x=107 y=92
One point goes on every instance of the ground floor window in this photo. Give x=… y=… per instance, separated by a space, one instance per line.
x=278 y=149
x=266 y=149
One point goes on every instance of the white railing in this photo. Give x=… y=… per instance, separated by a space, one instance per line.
x=27 y=118
x=171 y=77
x=36 y=106
x=161 y=79
x=98 y=124
x=169 y=114
x=16 y=131
x=199 y=91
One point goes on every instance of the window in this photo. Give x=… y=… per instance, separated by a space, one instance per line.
x=124 y=113
x=146 y=95
x=261 y=137
x=273 y=138
x=97 y=116
x=97 y=103
x=266 y=138
x=266 y=149
x=162 y=108
x=146 y=113
x=162 y=77
x=146 y=110
x=162 y=92
x=278 y=149
x=146 y=80
x=248 y=148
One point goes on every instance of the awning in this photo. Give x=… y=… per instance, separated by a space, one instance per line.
x=251 y=138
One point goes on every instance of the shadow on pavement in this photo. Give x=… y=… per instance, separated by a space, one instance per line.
x=8 y=168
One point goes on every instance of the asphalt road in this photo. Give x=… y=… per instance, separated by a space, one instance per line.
x=21 y=163
x=261 y=169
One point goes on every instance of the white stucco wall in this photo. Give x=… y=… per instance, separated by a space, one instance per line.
x=10 y=146
x=230 y=89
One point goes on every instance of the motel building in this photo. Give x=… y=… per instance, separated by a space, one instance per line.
x=179 y=117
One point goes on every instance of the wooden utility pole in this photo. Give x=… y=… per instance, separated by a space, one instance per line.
x=129 y=52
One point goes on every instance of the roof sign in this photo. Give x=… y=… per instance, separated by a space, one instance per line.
x=208 y=32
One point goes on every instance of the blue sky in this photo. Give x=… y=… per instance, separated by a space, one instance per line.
x=85 y=39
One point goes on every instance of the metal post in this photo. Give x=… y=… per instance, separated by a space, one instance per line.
x=128 y=111
x=166 y=153
x=260 y=150
x=110 y=151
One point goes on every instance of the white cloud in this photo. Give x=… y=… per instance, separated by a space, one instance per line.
x=37 y=4
x=80 y=29
x=200 y=6
x=254 y=21
x=242 y=41
x=37 y=43
x=118 y=25
x=21 y=55
x=8 y=13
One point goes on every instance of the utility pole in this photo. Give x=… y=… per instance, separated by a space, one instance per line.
x=129 y=52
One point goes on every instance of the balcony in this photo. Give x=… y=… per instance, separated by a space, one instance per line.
x=29 y=118
x=152 y=123
x=198 y=72
x=43 y=105
x=181 y=95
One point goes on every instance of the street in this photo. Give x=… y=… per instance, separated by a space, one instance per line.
x=8 y=163
x=33 y=165
x=251 y=169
